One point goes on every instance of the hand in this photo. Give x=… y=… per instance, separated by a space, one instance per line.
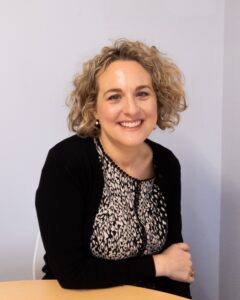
x=175 y=262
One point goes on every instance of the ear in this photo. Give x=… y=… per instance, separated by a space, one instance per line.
x=95 y=114
x=95 y=111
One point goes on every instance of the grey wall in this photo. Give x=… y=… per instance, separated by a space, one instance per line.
x=230 y=210
x=43 y=43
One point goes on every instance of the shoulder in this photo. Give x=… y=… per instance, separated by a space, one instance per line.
x=72 y=151
x=72 y=145
x=166 y=163
x=162 y=154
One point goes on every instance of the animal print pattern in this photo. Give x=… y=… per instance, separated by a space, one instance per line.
x=131 y=218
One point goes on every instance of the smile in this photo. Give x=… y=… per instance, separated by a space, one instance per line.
x=131 y=124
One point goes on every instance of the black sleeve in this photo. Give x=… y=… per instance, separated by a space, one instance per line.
x=173 y=182
x=174 y=202
x=60 y=202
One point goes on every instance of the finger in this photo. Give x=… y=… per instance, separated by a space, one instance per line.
x=192 y=275
x=191 y=279
x=184 y=246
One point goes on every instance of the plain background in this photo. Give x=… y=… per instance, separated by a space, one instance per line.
x=44 y=43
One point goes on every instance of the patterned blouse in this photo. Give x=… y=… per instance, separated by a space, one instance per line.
x=131 y=218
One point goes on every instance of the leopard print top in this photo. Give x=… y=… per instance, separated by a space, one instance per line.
x=131 y=218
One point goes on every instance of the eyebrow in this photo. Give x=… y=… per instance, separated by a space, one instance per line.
x=140 y=87
x=116 y=90
x=112 y=90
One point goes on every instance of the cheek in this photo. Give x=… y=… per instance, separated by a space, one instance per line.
x=152 y=109
x=153 y=114
x=156 y=108
x=107 y=113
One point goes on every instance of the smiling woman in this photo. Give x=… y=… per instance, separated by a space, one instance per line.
x=126 y=109
x=108 y=200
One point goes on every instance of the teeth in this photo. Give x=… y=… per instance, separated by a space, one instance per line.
x=131 y=124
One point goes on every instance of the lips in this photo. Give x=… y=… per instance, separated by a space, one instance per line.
x=131 y=124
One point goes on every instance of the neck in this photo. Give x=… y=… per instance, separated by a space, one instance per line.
x=124 y=156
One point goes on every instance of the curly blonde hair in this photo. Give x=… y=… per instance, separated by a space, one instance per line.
x=167 y=81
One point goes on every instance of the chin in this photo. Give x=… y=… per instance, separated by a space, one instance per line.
x=131 y=141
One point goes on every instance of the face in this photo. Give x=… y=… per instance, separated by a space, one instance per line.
x=126 y=104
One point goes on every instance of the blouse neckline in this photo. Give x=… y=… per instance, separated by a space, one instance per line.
x=98 y=143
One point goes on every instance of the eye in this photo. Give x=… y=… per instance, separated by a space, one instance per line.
x=114 y=97
x=142 y=94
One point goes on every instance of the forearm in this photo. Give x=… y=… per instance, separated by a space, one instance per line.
x=99 y=273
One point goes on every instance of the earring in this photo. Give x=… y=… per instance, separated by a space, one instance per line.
x=97 y=124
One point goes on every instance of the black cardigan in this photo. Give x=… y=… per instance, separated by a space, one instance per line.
x=67 y=201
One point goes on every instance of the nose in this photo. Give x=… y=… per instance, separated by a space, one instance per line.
x=131 y=106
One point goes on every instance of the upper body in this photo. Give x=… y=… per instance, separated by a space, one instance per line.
x=108 y=203
x=67 y=201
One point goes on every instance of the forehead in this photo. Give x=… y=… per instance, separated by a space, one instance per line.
x=123 y=72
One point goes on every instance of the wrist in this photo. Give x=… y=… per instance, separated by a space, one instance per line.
x=160 y=265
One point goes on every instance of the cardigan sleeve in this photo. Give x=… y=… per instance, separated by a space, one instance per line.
x=173 y=183
x=174 y=201
x=61 y=199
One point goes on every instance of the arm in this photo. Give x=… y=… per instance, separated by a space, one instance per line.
x=175 y=261
x=61 y=200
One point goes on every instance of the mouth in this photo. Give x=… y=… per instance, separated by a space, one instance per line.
x=131 y=124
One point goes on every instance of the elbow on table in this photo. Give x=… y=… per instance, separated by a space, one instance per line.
x=67 y=282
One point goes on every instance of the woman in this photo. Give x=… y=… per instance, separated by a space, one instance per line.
x=108 y=200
